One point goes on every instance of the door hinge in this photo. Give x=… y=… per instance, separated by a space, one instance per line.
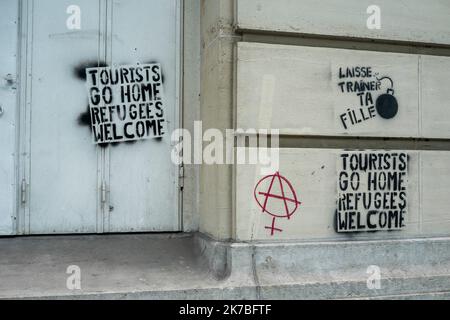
x=103 y=192
x=23 y=191
x=181 y=177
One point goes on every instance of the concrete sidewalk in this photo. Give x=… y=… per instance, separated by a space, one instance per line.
x=112 y=266
x=191 y=266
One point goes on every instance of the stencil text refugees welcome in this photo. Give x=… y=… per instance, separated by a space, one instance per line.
x=126 y=102
x=372 y=191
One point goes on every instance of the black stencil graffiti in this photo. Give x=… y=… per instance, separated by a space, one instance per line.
x=362 y=82
x=84 y=119
x=372 y=191
x=126 y=102
x=387 y=105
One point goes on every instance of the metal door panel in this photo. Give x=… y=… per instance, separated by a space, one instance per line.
x=63 y=171
x=8 y=74
x=143 y=180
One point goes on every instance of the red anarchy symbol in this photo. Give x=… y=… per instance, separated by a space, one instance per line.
x=285 y=197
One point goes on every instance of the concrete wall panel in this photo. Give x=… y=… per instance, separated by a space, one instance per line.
x=309 y=91
x=435 y=96
x=412 y=20
x=313 y=174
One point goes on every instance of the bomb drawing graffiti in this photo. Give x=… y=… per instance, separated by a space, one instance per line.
x=279 y=205
x=387 y=105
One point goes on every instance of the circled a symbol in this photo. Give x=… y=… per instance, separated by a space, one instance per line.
x=287 y=198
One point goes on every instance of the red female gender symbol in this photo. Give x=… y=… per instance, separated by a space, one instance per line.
x=285 y=197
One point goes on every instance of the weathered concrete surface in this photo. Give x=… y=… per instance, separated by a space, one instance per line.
x=412 y=21
x=217 y=68
x=185 y=266
x=289 y=72
x=112 y=266
x=314 y=176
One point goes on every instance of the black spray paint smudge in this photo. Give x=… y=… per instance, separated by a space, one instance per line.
x=80 y=70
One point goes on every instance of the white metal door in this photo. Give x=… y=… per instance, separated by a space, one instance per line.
x=8 y=75
x=73 y=185
x=61 y=166
x=143 y=180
